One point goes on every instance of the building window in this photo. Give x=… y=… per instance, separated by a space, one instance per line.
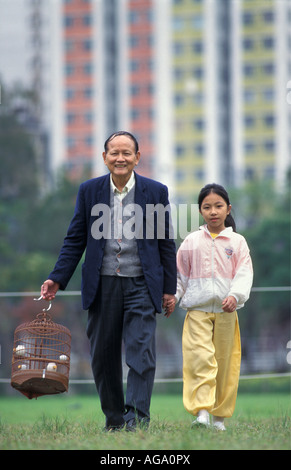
x=71 y=142
x=199 y=149
x=89 y=141
x=88 y=93
x=71 y=118
x=247 y=18
x=178 y=48
x=87 y=20
x=197 y=47
x=69 y=45
x=178 y=23
x=268 y=42
x=134 y=65
x=249 y=174
x=249 y=121
x=248 y=44
x=269 y=120
x=268 y=16
x=199 y=175
x=70 y=94
x=269 y=172
x=268 y=94
x=249 y=95
x=180 y=175
x=249 y=147
x=133 y=41
x=88 y=117
x=134 y=114
x=179 y=99
x=69 y=70
x=198 y=73
x=249 y=70
x=133 y=17
x=87 y=45
x=197 y=22
x=268 y=69
x=88 y=68
x=199 y=124
x=269 y=146
x=69 y=21
x=180 y=150
x=134 y=90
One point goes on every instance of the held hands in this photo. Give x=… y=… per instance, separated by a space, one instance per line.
x=49 y=289
x=169 y=303
x=229 y=304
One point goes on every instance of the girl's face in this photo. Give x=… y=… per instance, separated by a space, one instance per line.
x=214 y=211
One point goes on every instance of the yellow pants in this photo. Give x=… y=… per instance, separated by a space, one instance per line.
x=211 y=362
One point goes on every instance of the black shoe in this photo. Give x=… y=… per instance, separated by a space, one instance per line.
x=113 y=428
x=131 y=425
x=134 y=423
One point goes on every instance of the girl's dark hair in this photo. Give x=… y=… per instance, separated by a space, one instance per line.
x=217 y=189
x=115 y=134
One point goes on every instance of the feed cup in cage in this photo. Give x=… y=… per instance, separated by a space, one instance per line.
x=41 y=357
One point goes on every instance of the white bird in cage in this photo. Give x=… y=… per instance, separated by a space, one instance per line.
x=51 y=366
x=20 y=350
x=63 y=357
x=22 y=367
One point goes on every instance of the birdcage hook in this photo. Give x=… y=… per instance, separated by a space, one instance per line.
x=44 y=309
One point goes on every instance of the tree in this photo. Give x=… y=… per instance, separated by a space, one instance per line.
x=18 y=161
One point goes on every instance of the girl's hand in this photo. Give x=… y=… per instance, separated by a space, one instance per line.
x=229 y=304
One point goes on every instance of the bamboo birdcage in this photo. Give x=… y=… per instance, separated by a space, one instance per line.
x=41 y=357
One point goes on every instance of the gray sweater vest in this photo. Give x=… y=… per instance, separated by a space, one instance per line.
x=121 y=256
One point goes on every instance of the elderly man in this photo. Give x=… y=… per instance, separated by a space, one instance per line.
x=128 y=276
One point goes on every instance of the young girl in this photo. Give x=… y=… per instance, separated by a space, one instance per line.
x=214 y=280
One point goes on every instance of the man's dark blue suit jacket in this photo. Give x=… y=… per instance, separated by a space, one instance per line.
x=157 y=256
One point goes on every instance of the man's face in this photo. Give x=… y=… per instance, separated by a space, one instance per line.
x=121 y=157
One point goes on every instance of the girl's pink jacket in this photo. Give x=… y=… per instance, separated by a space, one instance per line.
x=211 y=269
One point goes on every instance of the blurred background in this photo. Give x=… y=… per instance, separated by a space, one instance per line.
x=205 y=85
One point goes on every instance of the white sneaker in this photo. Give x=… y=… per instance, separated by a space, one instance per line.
x=202 y=418
x=218 y=423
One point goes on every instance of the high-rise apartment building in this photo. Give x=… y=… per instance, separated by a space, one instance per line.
x=231 y=63
x=201 y=94
x=261 y=67
x=78 y=82
x=104 y=54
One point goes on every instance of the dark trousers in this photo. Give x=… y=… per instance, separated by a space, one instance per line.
x=123 y=310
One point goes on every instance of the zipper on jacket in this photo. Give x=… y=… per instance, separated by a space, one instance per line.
x=212 y=271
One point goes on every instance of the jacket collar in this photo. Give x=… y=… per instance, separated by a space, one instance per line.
x=140 y=191
x=225 y=233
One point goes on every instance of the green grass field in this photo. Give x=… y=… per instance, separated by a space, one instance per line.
x=75 y=422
